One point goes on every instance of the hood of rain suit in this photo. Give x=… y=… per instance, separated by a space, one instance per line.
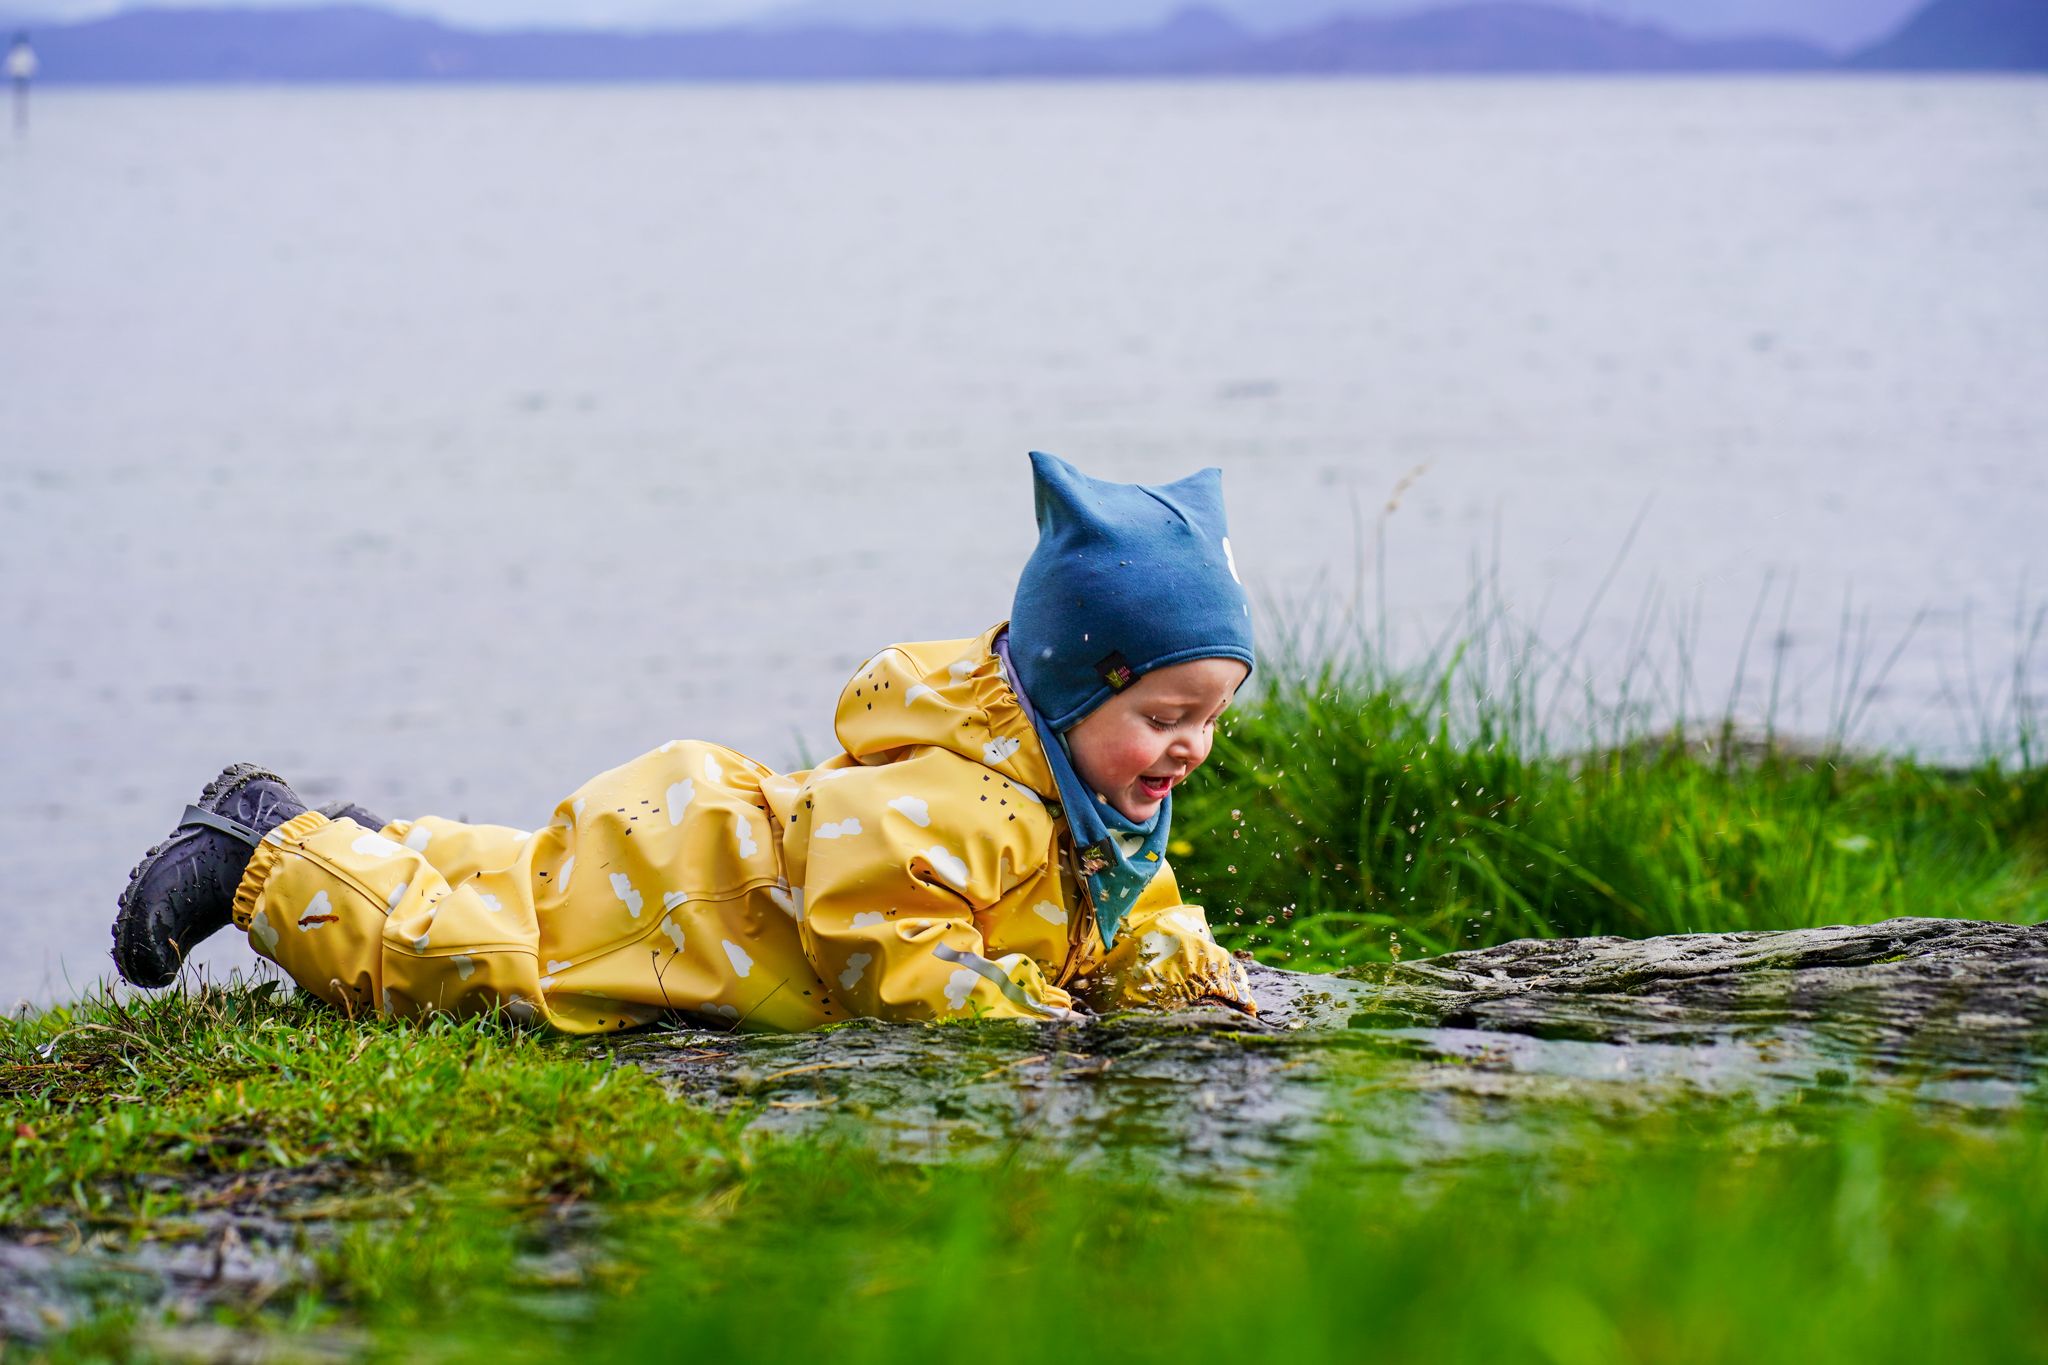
x=948 y=694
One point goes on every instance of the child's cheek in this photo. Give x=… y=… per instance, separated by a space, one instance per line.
x=1140 y=752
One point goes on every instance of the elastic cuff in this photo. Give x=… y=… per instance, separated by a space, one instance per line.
x=268 y=850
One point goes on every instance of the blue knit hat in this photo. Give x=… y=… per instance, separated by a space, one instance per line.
x=1126 y=578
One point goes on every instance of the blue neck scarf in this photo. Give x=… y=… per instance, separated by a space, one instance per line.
x=1118 y=857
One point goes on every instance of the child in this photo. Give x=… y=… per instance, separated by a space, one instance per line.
x=990 y=844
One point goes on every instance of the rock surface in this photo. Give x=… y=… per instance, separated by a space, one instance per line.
x=1494 y=1049
x=1895 y=994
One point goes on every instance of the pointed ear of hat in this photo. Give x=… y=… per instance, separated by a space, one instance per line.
x=1060 y=492
x=1199 y=500
x=1064 y=497
x=1126 y=578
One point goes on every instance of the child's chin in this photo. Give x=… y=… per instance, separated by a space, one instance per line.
x=1139 y=809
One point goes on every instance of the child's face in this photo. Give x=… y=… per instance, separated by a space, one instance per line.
x=1134 y=748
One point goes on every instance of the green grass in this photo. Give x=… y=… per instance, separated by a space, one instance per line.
x=226 y=1081
x=493 y=1195
x=1355 y=812
x=1881 y=1241
x=1700 y=1234
x=137 y=1117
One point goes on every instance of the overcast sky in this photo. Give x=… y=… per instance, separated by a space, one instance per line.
x=1837 y=22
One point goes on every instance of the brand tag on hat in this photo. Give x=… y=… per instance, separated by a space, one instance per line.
x=1116 y=672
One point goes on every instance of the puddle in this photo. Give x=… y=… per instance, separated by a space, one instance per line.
x=1497 y=1050
x=249 y=1243
x=240 y=1242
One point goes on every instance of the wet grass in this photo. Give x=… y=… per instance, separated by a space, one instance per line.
x=222 y=1081
x=1352 y=811
x=521 y=1200
x=164 y=1119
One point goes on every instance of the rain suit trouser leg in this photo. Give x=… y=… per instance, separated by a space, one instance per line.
x=609 y=916
x=373 y=925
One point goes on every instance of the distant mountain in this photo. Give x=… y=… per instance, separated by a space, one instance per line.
x=357 y=43
x=1841 y=25
x=333 y=43
x=1966 y=35
x=967 y=16
x=1504 y=37
x=345 y=43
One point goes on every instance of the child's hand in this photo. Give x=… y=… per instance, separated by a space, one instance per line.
x=1167 y=959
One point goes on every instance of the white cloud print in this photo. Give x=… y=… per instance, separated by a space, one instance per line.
x=959 y=986
x=996 y=750
x=914 y=809
x=263 y=933
x=947 y=864
x=680 y=795
x=837 y=829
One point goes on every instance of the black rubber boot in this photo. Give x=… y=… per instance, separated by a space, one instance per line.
x=349 y=810
x=183 y=889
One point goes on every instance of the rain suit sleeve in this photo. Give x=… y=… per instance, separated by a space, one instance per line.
x=897 y=862
x=1165 y=956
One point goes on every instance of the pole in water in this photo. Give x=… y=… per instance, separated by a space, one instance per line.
x=21 y=69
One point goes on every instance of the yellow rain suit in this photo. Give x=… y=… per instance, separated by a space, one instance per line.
x=925 y=873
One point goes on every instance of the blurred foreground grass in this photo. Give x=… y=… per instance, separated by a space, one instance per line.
x=490 y=1195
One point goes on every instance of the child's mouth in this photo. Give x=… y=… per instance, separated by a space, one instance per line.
x=1156 y=787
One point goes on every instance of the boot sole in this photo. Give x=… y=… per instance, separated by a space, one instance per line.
x=132 y=931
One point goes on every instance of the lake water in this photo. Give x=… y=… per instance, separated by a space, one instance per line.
x=441 y=447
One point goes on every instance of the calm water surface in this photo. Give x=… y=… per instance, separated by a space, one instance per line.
x=444 y=447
